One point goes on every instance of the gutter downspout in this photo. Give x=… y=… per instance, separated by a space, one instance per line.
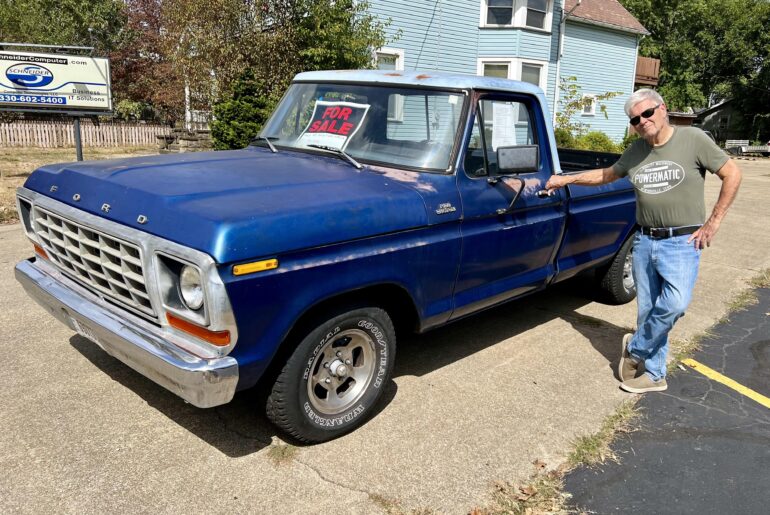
x=560 y=53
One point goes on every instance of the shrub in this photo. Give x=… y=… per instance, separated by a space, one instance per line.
x=630 y=138
x=564 y=138
x=239 y=118
x=598 y=142
x=128 y=110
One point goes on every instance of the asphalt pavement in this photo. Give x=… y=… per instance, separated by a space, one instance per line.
x=703 y=446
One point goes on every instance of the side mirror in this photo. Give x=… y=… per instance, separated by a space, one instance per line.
x=518 y=159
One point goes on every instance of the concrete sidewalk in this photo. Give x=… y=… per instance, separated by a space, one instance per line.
x=470 y=404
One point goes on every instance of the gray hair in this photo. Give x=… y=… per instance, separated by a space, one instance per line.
x=642 y=94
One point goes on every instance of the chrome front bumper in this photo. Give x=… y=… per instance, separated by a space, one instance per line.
x=137 y=343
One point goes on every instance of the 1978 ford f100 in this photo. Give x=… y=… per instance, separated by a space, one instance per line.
x=371 y=203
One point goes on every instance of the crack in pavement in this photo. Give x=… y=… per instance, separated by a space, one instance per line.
x=326 y=480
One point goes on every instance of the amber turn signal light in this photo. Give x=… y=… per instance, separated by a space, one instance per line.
x=219 y=338
x=40 y=251
x=257 y=266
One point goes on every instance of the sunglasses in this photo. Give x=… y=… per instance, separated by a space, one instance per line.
x=645 y=114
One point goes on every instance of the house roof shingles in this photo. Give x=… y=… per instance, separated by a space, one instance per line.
x=605 y=12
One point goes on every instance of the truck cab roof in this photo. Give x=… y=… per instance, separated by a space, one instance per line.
x=431 y=79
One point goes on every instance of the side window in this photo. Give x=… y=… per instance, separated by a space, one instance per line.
x=505 y=123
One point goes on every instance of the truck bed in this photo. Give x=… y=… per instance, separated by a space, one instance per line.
x=581 y=160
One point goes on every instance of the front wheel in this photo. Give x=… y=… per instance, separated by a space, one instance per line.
x=615 y=281
x=332 y=381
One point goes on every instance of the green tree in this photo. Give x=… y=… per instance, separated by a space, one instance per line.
x=708 y=49
x=96 y=23
x=294 y=36
x=239 y=119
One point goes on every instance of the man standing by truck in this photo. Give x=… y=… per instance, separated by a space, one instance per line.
x=667 y=169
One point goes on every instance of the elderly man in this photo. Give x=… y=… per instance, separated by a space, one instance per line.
x=667 y=168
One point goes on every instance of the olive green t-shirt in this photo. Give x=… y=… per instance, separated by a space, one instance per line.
x=669 y=179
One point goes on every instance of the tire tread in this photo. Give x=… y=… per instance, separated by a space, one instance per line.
x=277 y=406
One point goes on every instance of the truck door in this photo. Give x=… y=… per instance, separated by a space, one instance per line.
x=505 y=255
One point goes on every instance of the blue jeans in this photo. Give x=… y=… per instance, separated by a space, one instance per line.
x=664 y=272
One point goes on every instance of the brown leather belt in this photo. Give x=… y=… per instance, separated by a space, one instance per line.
x=661 y=233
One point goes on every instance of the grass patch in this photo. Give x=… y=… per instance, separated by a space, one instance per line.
x=740 y=302
x=684 y=348
x=596 y=448
x=17 y=163
x=282 y=454
x=543 y=494
x=762 y=280
x=748 y=297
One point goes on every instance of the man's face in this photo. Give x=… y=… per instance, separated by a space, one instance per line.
x=649 y=127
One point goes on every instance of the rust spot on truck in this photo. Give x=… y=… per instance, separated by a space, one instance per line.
x=422 y=77
x=393 y=74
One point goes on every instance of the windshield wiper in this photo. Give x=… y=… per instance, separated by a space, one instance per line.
x=339 y=152
x=267 y=139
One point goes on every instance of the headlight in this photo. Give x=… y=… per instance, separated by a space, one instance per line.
x=191 y=288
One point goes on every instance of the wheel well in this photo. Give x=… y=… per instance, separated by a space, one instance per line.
x=390 y=297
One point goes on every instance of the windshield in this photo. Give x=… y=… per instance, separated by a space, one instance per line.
x=407 y=127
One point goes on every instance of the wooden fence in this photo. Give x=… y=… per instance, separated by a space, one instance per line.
x=61 y=134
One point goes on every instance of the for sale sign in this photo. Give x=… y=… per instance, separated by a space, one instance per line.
x=333 y=123
x=54 y=81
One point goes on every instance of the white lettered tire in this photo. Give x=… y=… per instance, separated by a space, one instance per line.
x=335 y=377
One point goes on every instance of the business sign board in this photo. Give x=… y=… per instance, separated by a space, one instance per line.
x=45 y=82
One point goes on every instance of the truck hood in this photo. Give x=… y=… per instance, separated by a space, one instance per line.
x=238 y=205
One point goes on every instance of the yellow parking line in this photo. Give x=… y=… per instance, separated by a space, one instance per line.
x=716 y=376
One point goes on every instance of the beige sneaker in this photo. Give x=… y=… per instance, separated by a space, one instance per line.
x=643 y=384
x=627 y=367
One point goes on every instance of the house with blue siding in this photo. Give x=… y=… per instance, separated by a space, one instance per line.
x=535 y=41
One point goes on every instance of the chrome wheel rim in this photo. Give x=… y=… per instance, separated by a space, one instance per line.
x=341 y=372
x=628 y=272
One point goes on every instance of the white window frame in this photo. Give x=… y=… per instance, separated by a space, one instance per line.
x=522 y=12
x=592 y=111
x=510 y=61
x=514 y=67
x=519 y=18
x=483 y=15
x=398 y=53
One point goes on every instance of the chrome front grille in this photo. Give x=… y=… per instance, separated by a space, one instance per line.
x=110 y=266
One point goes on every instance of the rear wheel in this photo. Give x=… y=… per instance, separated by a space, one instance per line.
x=615 y=281
x=332 y=381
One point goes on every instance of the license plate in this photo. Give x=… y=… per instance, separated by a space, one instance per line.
x=86 y=332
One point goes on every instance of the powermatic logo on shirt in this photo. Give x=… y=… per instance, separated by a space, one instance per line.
x=658 y=177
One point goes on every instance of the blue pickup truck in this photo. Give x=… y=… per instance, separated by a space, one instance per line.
x=372 y=203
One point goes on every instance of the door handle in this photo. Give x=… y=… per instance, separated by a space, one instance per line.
x=545 y=193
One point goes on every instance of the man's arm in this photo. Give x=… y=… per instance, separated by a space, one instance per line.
x=591 y=178
x=731 y=181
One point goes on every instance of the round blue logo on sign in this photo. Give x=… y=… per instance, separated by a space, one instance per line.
x=29 y=75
